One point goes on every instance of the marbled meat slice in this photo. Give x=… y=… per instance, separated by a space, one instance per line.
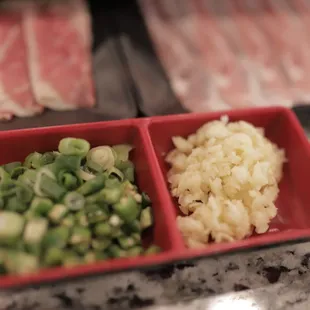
x=176 y=46
x=16 y=98
x=59 y=55
x=296 y=61
x=221 y=60
x=274 y=85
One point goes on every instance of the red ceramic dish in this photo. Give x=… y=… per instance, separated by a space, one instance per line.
x=152 y=140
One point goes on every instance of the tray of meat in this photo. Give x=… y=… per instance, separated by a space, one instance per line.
x=86 y=199
x=241 y=53
x=37 y=72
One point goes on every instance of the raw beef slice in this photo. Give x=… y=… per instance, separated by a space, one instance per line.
x=59 y=55
x=16 y=96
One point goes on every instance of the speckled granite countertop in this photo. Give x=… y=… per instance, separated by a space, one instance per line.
x=270 y=279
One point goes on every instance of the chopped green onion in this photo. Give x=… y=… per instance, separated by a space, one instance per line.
x=78 y=205
x=37 y=184
x=15 y=205
x=90 y=257
x=51 y=188
x=129 y=174
x=146 y=201
x=146 y=218
x=53 y=257
x=74 y=201
x=68 y=163
x=21 y=263
x=33 y=160
x=136 y=237
x=128 y=169
x=126 y=242
x=111 y=195
x=93 y=185
x=116 y=172
x=23 y=192
x=95 y=214
x=122 y=165
x=56 y=237
x=122 y=151
x=80 y=235
x=115 y=221
x=103 y=230
x=81 y=218
x=57 y=213
x=153 y=249
x=41 y=206
x=127 y=209
x=69 y=180
x=74 y=146
x=84 y=175
x=101 y=255
x=112 y=183
x=35 y=231
x=115 y=251
x=28 y=177
x=11 y=166
x=93 y=199
x=16 y=172
x=101 y=244
x=81 y=248
x=134 y=251
x=68 y=221
x=47 y=158
x=117 y=232
x=11 y=227
x=7 y=190
x=100 y=158
x=4 y=176
x=71 y=259
x=133 y=226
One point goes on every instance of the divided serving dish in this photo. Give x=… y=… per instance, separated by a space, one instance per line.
x=151 y=138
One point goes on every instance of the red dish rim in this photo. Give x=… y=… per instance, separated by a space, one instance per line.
x=52 y=275
x=178 y=252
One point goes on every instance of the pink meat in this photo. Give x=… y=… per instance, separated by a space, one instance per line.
x=59 y=55
x=229 y=76
x=224 y=12
x=255 y=44
x=176 y=16
x=303 y=13
x=175 y=44
x=285 y=39
x=302 y=8
x=299 y=70
x=16 y=96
